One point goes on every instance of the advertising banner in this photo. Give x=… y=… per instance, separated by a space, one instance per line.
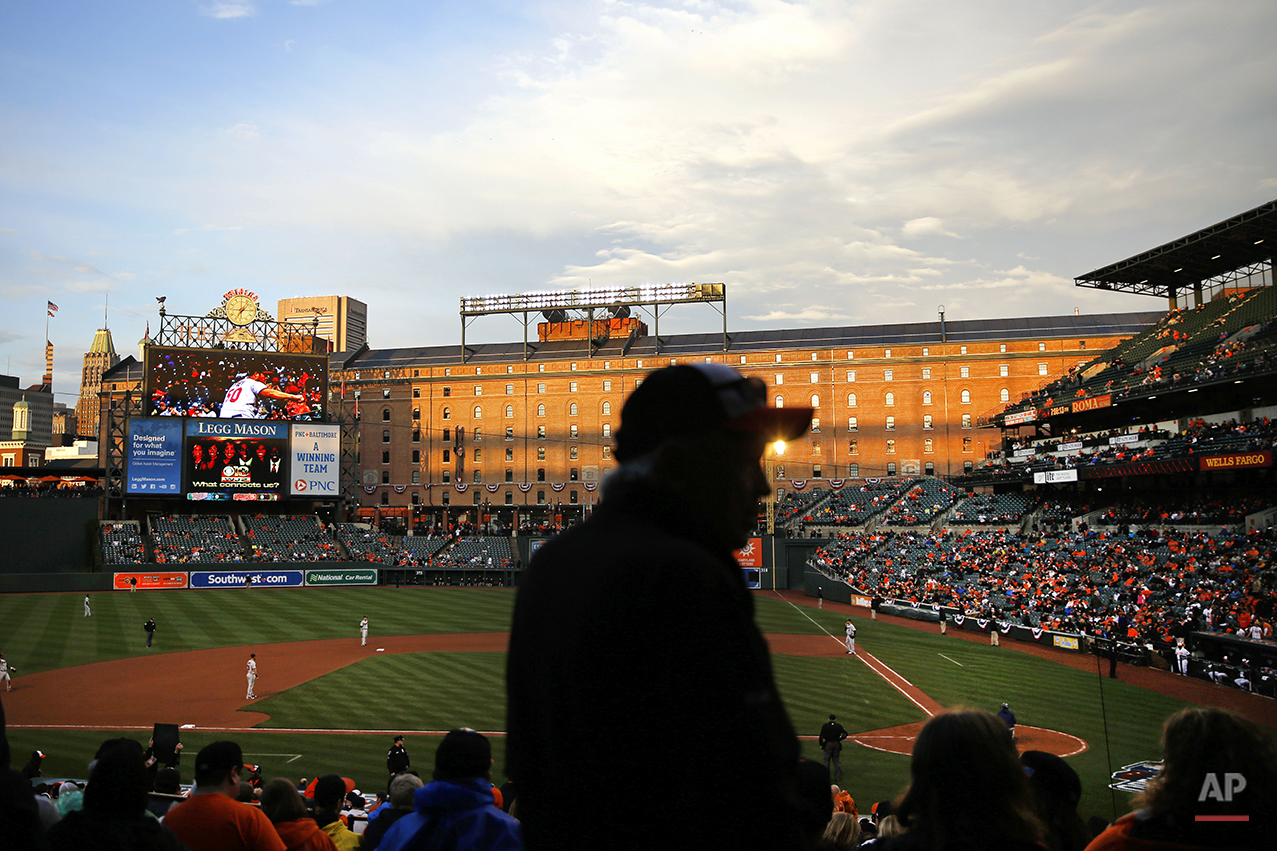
x=751 y=555
x=1124 y=439
x=1020 y=417
x=239 y=578
x=360 y=576
x=148 y=581
x=314 y=450
x=1234 y=462
x=1065 y=642
x=1071 y=446
x=1093 y=403
x=235 y=459
x=155 y=456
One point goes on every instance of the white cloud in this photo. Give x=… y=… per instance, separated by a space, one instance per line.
x=244 y=131
x=925 y=226
x=229 y=9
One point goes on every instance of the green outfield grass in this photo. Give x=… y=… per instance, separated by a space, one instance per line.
x=437 y=691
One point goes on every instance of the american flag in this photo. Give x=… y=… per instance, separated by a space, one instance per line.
x=53 y=308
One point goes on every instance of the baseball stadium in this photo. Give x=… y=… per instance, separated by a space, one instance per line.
x=1067 y=518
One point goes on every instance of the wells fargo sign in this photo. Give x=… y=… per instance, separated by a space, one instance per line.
x=1235 y=462
x=1093 y=403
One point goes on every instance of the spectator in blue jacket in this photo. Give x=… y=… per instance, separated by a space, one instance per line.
x=457 y=810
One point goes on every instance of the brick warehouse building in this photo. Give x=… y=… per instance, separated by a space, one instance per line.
x=513 y=428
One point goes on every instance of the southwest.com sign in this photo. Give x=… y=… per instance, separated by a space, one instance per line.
x=315 y=449
x=240 y=578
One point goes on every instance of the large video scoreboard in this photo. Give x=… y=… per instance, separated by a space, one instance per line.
x=225 y=424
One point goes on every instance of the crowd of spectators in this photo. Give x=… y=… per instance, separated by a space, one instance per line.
x=194 y=539
x=122 y=543
x=277 y=538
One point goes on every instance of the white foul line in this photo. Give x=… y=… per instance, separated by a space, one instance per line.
x=954 y=661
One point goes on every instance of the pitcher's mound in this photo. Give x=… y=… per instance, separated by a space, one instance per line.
x=900 y=740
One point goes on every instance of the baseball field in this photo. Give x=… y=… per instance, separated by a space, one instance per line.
x=435 y=660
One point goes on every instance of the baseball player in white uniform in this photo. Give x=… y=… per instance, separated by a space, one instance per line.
x=1181 y=658
x=363 y=631
x=88 y=613
x=241 y=397
x=851 y=637
x=4 y=673
x=252 y=676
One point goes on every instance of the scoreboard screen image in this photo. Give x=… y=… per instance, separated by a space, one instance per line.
x=230 y=384
x=235 y=460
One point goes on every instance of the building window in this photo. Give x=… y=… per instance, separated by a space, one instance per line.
x=385 y=457
x=815 y=376
x=780 y=379
x=777 y=358
x=478 y=390
x=1081 y=344
x=780 y=472
x=540 y=474
x=1002 y=348
x=385 y=415
x=572 y=410
x=1041 y=347
x=966 y=421
x=541 y=494
x=815 y=425
x=509 y=453
x=886 y=353
x=571 y=386
x=540 y=367
x=540 y=386
x=607 y=383
x=964 y=372
x=572 y=430
x=509 y=477
x=891 y=423
x=416 y=456
x=853 y=471
x=889 y=400
x=887 y=375
x=891 y=468
x=962 y=350
x=851 y=400
x=573 y=498
x=385 y=391
x=573 y=476
x=926 y=422
x=509 y=412
x=572 y=453
x=447 y=391
x=478 y=412
x=447 y=435
x=926 y=397
x=853 y=447
x=416 y=435
x=509 y=390
x=607 y=453
x=541 y=432
x=478 y=370
x=780 y=402
x=607 y=409
x=447 y=413
x=815 y=401
x=965 y=397
x=416 y=480
x=416 y=413
x=385 y=477
x=891 y=447
x=1041 y=369
x=385 y=436
x=476 y=454
x=607 y=429
x=1004 y=395
x=540 y=410
x=851 y=376
x=478 y=479
x=1004 y=370
x=476 y=434
x=929 y=468
x=851 y=355
x=572 y=366
x=509 y=369
x=540 y=453
x=967 y=467
x=509 y=432
x=852 y=424
x=966 y=444
x=927 y=445
x=926 y=352
x=416 y=391
x=815 y=472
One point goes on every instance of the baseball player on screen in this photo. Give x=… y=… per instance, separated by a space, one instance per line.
x=241 y=397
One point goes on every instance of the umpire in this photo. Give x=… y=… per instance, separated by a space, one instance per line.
x=832 y=735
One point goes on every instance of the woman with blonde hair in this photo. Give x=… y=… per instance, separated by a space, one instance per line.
x=283 y=805
x=967 y=790
x=1217 y=789
x=841 y=834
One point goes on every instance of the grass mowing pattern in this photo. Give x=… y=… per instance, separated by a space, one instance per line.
x=447 y=689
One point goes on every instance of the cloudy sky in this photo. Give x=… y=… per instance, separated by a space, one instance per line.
x=834 y=163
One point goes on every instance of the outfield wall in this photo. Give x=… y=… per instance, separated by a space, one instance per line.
x=50 y=534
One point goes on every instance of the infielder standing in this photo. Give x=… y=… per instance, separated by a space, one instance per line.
x=4 y=673
x=851 y=637
x=252 y=676
x=363 y=631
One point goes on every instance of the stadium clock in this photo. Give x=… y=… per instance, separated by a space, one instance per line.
x=241 y=309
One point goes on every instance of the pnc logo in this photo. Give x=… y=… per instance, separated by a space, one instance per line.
x=299 y=485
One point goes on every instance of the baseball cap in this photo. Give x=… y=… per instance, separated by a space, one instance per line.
x=694 y=398
x=463 y=753
x=218 y=756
